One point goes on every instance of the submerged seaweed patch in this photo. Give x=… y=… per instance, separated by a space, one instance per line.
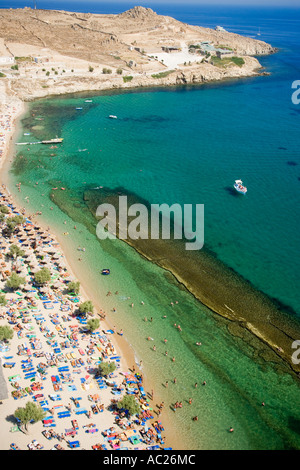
x=201 y=273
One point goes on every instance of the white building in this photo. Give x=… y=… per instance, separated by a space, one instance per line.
x=7 y=60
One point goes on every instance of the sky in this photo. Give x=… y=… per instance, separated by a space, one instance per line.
x=208 y=2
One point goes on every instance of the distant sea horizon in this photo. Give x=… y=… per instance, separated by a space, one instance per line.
x=189 y=144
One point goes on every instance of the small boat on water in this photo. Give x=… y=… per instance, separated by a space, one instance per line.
x=239 y=187
x=105 y=272
x=78 y=109
x=111 y=116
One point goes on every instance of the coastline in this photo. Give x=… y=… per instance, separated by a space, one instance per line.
x=245 y=333
x=96 y=84
x=122 y=347
x=126 y=350
x=270 y=333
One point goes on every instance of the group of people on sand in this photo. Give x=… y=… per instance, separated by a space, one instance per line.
x=46 y=309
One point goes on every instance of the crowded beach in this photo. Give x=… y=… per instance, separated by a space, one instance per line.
x=53 y=359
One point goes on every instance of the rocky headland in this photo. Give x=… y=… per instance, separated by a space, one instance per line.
x=49 y=52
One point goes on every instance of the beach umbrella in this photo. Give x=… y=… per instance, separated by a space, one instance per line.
x=32 y=259
x=51 y=250
x=40 y=252
x=28 y=252
x=27 y=287
x=35 y=269
x=44 y=290
x=57 y=284
x=17 y=264
x=48 y=266
x=34 y=265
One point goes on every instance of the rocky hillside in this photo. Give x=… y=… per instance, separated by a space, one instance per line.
x=94 y=37
x=57 y=51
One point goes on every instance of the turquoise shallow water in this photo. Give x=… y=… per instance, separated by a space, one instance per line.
x=188 y=145
x=173 y=147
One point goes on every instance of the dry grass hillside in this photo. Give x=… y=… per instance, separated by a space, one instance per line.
x=60 y=51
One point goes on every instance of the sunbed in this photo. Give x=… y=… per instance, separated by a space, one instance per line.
x=9 y=365
x=70 y=432
x=74 y=444
x=80 y=411
x=64 y=414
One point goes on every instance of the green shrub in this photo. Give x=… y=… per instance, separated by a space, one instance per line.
x=15 y=281
x=107 y=368
x=86 y=307
x=4 y=209
x=93 y=324
x=238 y=61
x=227 y=61
x=42 y=276
x=12 y=222
x=129 y=403
x=162 y=74
x=74 y=287
x=15 y=251
x=6 y=333
x=30 y=413
x=127 y=78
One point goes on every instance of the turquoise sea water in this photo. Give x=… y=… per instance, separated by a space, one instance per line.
x=188 y=145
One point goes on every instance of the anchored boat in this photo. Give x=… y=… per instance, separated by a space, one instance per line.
x=52 y=141
x=239 y=187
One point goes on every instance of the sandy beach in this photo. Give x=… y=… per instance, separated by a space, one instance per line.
x=52 y=360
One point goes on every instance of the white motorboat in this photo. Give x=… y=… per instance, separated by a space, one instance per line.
x=239 y=187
